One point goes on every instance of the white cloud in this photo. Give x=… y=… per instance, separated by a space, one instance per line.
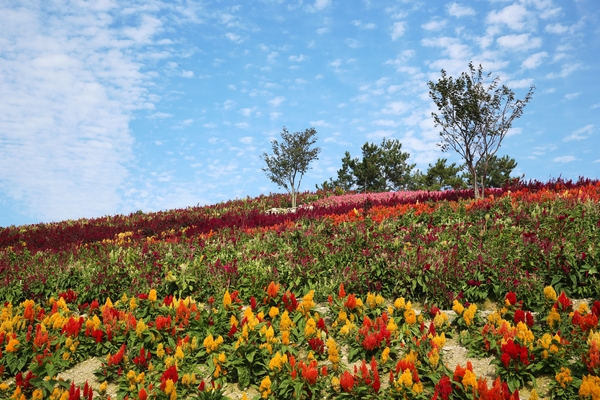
x=70 y=81
x=398 y=29
x=299 y=58
x=352 y=43
x=566 y=70
x=514 y=16
x=362 y=25
x=320 y=123
x=234 y=37
x=519 y=42
x=276 y=101
x=271 y=57
x=231 y=87
x=558 y=29
x=396 y=108
x=247 y=112
x=434 y=25
x=275 y=115
x=594 y=106
x=386 y=122
x=564 y=159
x=160 y=115
x=318 y=5
x=242 y=125
x=187 y=74
x=247 y=140
x=580 y=134
x=520 y=84
x=457 y=10
x=210 y=125
x=323 y=30
x=380 y=134
x=228 y=104
x=534 y=60
x=571 y=96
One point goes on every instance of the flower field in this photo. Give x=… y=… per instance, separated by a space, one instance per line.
x=311 y=304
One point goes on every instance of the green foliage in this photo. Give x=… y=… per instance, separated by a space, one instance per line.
x=382 y=168
x=290 y=159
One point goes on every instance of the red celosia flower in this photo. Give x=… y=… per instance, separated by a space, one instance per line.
x=563 y=302
x=321 y=325
x=317 y=345
x=376 y=382
x=341 y=292
x=170 y=373
x=252 y=303
x=142 y=395
x=347 y=381
x=272 y=290
x=350 y=303
x=512 y=298
x=310 y=373
x=72 y=327
x=443 y=388
x=370 y=342
x=519 y=316
x=116 y=359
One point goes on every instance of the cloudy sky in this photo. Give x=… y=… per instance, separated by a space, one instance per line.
x=108 y=107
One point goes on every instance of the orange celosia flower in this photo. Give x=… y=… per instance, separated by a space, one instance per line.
x=272 y=290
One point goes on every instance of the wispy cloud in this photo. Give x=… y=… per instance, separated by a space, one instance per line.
x=276 y=101
x=566 y=70
x=571 y=96
x=318 y=5
x=514 y=16
x=564 y=159
x=397 y=29
x=580 y=134
x=519 y=42
x=534 y=60
x=360 y=24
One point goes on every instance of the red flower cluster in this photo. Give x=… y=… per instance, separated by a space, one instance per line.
x=512 y=351
x=374 y=333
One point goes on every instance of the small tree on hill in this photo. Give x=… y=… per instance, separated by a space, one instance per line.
x=474 y=118
x=291 y=159
x=381 y=169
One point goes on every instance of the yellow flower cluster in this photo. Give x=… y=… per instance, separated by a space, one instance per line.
x=310 y=329
x=548 y=343
x=333 y=354
x=590 y=387
x=550 y=293
x=385 y=355
x=524 y=333
x=410 y=316
x=553 y=318
x=278 y=361
x=469 y=314
x=564 y=377
x=457 y=307
x=286 y=322
x=265 y=387
x=469 y=379
x=391 y=326
x=219 y=363
x=152 y=295
x=374 y=300
x=211 y=344
x=434 y=357
x=307 y=303
x=440 y=320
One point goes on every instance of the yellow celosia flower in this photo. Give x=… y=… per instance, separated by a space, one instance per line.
x=469 y=379
x=411 y=356
x=226 y=299
x=399 y=303
x=131 y=376
x=140 y=328
x=273 y=312
x=335 y=383
x=371 y=300
x=379 y=300
x=590 y=387
x=457 y=307
x=285 y=337
x=385 y=355
x=222 y=358
x=132 y=304
x=524 y=333
x=391 y=326
x=404 y=380
x=469 y=314
x=286 y=323
x=3 y=386
x=434 y=357
x=410 y=316
x=333 y=354
x=583 y=309
x=102 y=387
x=310 y=329
x=564 y=377
x=152 y=295
x=169 y=361
x=439 y=340
x=12 y=346
x=160 y=350
x=37 y=394
x=533 y=395
x=417 y=388
x=211 y=344
x=440 y=319
x=347 y=328
x=179 y=353
x=550 y=293
x=307 y=303
x=265 y=387
x=278 y=361
x=553 y=318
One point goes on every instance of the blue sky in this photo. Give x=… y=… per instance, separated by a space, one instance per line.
x=109 y=107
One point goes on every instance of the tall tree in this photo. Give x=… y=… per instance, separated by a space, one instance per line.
x=499 y=170
x=382 y=168
x=474 y=118
x=291 y=159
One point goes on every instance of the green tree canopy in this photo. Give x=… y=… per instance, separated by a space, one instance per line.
x=382 y=168
x=291 y=159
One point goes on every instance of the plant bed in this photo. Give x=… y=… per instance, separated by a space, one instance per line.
x=279 y=346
